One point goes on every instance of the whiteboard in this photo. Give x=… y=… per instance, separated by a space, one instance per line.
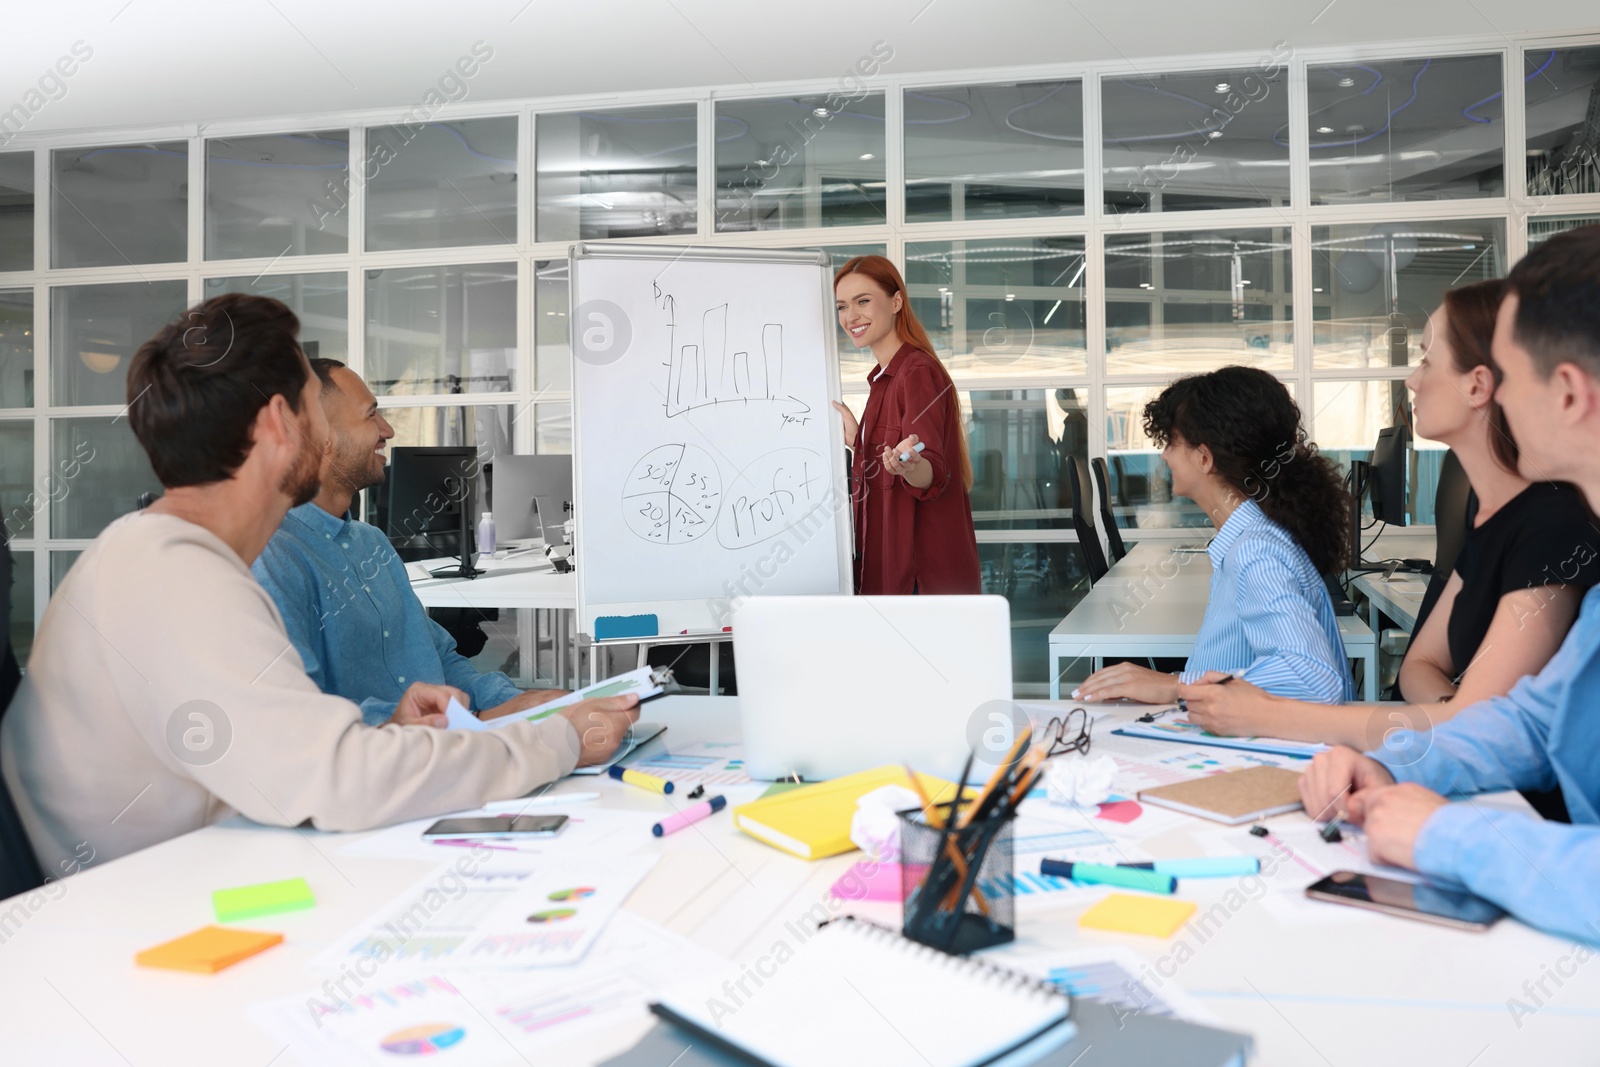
x=708 y=464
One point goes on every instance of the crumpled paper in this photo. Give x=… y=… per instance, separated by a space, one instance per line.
x=1080 y=782
x=875 y=828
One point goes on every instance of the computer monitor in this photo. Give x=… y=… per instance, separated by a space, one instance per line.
x=531 y=496
x=1391 y=464
x=430 y=509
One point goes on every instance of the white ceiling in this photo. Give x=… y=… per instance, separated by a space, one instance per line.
x=167 y=61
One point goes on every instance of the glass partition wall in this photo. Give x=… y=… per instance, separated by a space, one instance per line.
x=1072 y=240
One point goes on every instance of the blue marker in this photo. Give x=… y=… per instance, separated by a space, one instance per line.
x=905 y=457
x=1202 y=867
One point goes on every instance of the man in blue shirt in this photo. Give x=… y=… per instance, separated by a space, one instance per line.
x=344 y=594
x=1546 y=731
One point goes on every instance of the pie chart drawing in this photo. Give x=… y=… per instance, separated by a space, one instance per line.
x=672 y=495
x=554 y=915
x=423 y=1040
x=576 y=893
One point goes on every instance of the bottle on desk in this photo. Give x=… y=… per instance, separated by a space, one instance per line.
x=486 y=535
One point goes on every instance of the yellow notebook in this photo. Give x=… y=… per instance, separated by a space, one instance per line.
x=813 y=822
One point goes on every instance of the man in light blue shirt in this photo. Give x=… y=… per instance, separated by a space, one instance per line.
x=1546 y=731
x=344 y=594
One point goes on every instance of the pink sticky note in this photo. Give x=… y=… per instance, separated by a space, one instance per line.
x=870 y=881
x=1120 y=811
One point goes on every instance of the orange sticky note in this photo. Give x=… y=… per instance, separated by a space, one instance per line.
x=1125 y=913
x=207 y=950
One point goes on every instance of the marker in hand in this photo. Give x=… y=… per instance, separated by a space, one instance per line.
x=905 y=457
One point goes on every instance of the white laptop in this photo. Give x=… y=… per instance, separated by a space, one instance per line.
x=832 y=685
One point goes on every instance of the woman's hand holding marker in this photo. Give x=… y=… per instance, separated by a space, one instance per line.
x=905 y=459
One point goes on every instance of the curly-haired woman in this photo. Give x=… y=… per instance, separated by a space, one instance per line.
x=1235 y=445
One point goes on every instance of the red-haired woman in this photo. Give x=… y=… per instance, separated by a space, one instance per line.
x=913 y=518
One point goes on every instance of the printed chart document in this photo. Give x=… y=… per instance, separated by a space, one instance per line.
x=487 y=1017
x=1179 y=728
x=641 y=682
x=484 y=915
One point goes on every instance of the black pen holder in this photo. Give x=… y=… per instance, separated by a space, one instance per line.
x=958 y=887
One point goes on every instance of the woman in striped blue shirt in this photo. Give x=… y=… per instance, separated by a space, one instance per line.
x=1234 y=443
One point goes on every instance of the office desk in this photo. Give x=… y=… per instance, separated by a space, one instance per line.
x=1349 y=988
x=1397 y=598
x=1151 y=603
x=526 y=582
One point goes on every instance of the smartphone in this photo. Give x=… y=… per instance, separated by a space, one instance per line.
x=1407 y=899
x=518 y=826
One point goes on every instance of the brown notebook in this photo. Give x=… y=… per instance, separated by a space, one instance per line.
x=1232 y=797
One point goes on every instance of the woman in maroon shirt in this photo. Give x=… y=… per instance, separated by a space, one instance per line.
x=913 y=518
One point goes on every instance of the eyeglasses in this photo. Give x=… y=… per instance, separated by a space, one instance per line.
x=1069 y=733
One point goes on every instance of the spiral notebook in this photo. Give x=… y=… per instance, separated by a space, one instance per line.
x=856 y=992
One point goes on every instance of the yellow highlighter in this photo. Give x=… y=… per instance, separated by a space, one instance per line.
x=640 y=779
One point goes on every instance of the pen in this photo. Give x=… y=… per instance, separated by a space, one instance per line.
x=1201 y=867
x=640 y=779
x=703 y=810
x=905 y=457
x=1096 y=874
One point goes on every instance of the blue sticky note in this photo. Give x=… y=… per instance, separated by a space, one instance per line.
x=622 y=627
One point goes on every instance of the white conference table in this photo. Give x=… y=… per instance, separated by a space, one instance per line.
x=1361 y=988
x=525 y=582
x=1151 y=603
x=1399 y=597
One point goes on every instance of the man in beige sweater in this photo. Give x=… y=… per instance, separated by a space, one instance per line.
x=163 y=693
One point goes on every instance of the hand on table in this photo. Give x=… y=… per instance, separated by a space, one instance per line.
x=1237 y=709
x=424 y=704
x=1393 y=816
x=602 y=723
x=1128 y=681
x=530 y=698
x=1334 y=777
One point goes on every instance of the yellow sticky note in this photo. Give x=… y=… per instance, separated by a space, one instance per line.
x=207 y=950
x=1128 y=914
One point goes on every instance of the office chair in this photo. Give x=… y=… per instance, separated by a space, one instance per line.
x=691 y=665
x=19 y=867
x=1454 y=505
x=1102 y=478
x=1094 y=560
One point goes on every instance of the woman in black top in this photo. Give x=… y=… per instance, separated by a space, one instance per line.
x=1529 y=556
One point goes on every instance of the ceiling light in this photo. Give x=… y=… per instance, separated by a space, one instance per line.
x=1345 y=83
x=1244 y=281
x=1223 y=87
x=1316 y=288
x=1324 y=129
x=1144 y=285
x=866 y=155
x=1355 y=128
x=820 y=112
x=1011 y=296
x=1214 y=134
x=763 y=162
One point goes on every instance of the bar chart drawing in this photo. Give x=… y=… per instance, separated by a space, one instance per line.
x=705 y=369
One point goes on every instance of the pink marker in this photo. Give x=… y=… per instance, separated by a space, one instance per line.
x=703 y=810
